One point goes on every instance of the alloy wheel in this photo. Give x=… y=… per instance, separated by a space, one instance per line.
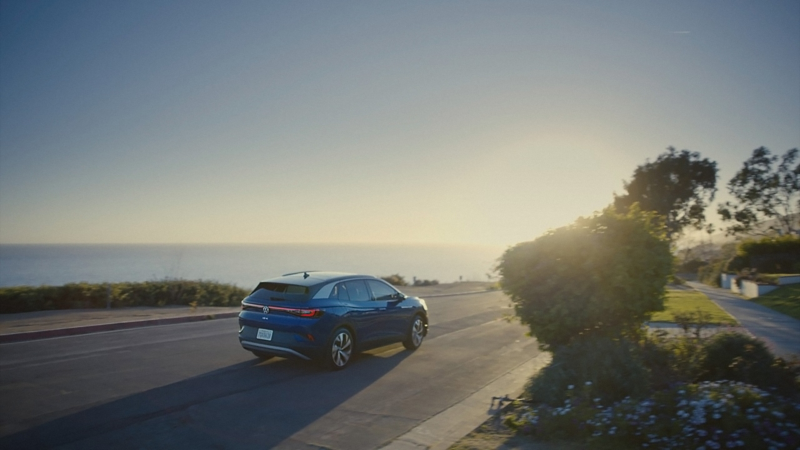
x=417 y=332
x=342 y=349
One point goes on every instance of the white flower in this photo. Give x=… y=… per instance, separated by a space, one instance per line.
x=588 y=383
x=571 y=386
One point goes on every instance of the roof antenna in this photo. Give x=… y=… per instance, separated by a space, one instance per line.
x=305 y=275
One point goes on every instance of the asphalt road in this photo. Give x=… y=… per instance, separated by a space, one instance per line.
x=779 y=331
x=192 y=386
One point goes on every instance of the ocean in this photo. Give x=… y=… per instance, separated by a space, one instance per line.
x=240 y=264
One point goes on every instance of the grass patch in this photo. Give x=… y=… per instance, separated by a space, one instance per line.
x=689 y=301
x=785 y=299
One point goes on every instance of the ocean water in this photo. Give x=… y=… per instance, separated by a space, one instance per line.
x=243 y=265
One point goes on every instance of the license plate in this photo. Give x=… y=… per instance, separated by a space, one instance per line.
x=264 y=335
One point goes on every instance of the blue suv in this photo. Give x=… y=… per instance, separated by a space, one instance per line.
x=328 y=316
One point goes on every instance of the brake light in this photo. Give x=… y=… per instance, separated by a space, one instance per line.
x=300 y=312
x=251 y=307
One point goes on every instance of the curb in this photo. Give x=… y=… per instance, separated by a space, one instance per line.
x=442 y=430
x=74 y=331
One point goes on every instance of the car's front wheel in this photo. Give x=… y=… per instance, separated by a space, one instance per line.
x=415 y=334
x=340 y=350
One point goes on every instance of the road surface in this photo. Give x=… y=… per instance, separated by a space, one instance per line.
x=779 y=331
x=192 y=386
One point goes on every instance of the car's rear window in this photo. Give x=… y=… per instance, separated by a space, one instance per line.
x=280 y=291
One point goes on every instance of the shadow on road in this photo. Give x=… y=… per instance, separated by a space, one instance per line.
x=251 y=404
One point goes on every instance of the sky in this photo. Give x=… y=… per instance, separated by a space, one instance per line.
x=457 y=122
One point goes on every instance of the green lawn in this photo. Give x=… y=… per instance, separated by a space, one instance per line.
x=686 y=301
x=785 y=299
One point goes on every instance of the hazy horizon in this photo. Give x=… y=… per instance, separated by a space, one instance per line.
x=462 y=123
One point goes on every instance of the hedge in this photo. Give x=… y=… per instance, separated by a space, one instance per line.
x=149 y=293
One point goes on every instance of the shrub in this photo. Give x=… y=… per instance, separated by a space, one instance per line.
x=149 y=293
x=710 y=273
x=709 y=415
x=425 y=282
x=601 y=368
x=769 y=254
x=602 y=275
x=395 y=280
x=739 y=357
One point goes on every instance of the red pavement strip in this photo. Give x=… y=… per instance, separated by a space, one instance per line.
x=73 y=331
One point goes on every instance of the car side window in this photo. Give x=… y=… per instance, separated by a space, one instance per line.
x=357 y=290
x=381 y=291
x=340 y=292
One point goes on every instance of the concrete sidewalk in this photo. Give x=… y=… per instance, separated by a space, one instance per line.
x=779 y=331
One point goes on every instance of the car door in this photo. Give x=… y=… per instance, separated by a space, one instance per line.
x=364 y=314
x=394 y=319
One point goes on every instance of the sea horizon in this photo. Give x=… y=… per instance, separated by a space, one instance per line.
x=240 y=264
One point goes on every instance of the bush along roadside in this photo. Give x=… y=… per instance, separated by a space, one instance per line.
x=149 y=293
x=727 y=391
x=707 y=415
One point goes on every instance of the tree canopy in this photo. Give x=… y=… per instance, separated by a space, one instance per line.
x=766 y=187
x=677 y=186
x=601 y=276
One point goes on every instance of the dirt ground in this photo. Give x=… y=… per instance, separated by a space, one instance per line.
x=492 y=434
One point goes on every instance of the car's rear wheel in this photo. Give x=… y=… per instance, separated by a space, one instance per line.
x=416 y=333
x=339 y=350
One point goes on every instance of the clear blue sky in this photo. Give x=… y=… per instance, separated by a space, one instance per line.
x=398 y=122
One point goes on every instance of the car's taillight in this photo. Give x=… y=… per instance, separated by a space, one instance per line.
x=300 y=312
x=251 y=307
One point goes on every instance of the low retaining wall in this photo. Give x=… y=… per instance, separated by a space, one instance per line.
x=726 y=280
x=783 y=281
x=752 y=289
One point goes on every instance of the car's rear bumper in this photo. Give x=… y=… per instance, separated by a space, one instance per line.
x=282 y=343
x=272 y=349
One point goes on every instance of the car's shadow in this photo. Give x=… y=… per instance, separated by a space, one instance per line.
x=252 y=404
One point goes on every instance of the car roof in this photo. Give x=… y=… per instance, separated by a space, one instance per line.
x=312 y=278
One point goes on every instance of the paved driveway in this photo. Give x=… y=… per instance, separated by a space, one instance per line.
x=779 y=331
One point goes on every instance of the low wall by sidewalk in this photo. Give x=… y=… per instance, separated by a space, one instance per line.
x=726 y=280
x=783 y=281
x=751 y=289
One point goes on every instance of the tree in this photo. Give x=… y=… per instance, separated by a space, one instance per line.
x=601 y=276
x=676 y=185
x=764 y=192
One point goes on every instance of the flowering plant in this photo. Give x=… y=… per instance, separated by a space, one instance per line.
x=708 y=415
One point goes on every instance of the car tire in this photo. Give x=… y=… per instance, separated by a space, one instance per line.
x=262 y=356
x=340 y=350
x=416 y=332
